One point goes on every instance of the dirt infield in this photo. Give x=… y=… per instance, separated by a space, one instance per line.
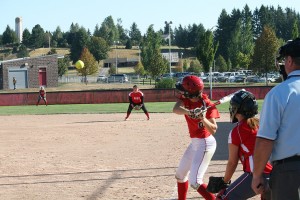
x=97 y=156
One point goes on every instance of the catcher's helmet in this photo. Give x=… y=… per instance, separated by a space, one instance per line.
x=244 y=103
x=191 y=86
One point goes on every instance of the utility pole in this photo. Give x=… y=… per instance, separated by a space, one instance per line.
x=170 y=64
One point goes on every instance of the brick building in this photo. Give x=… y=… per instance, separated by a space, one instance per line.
x=29 y=72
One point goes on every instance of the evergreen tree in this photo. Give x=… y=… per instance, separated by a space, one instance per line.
x=135 y=35
x=266 y=48
x=234 y=45
x=63 y=64
x=181 y=37
x=139 y=69
x=221 y=63
x=9 y=36
x=99 y=48
x=57 y=38
x=295 y=31
x=37 y=36
x=206 y=50
x=108 y=31
x=70 y=36
x=152 y=59
x=80 y=41
x=222 y=34
x=23 y=52
x=26 y=38
x=122 y=32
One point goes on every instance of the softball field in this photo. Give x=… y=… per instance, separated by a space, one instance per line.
x=98 y=156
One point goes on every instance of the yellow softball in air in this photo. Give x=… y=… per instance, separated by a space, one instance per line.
x=79 y=64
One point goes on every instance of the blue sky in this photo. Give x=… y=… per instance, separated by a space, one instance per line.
x=87 y=13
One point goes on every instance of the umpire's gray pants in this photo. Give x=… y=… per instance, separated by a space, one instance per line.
x=285 y=181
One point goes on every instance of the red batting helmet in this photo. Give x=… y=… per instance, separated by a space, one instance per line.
x=192 y=85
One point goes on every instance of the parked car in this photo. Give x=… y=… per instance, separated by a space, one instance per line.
x=255 y=79
x=102 y=78
x=232 y=76
x=117 y=78
x=239 y=79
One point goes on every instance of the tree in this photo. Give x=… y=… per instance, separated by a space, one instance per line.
x=265 y=50
x=221 y=63
x=193 y=34
x=295 y=31
x=108 y=31
x=222 y=34
x=9 y=36
x=37 y=36
x=151 y=56
x=128 y=44
x=80 y=41
x=206 y=50
x=243 y=60
x=90 y=64
x=139 y=68
x=99 y=48
x=195 y=66
x=234 y=45
x=63 y=65
x=26 y=38
x=70 y=36
x=57 y=38
x=23 y=52
x=122 y=32
x=181 y=37
x=135 y=35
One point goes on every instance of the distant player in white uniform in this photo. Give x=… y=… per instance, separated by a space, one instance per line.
x=198 y=154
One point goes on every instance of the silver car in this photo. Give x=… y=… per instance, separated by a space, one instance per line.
x=117 y=78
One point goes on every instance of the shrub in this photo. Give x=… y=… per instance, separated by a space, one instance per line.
x=165 y=83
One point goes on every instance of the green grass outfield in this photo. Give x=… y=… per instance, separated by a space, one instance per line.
x=152 y=107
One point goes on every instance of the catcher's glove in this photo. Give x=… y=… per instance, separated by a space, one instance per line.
x=216 y=184
x=138 y=107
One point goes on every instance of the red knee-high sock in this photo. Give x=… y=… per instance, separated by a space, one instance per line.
x=147 y=114
x=127 y=115
x=182 y=189
x=206 y=195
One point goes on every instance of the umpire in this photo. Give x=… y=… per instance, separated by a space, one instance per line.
x=279 y=132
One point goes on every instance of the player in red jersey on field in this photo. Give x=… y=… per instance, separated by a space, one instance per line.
x=136 y=101
x=201 y=149
x=241 y=142
x=42 y=95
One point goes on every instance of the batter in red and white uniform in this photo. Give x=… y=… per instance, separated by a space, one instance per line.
x=136 y=98
x=198 y=154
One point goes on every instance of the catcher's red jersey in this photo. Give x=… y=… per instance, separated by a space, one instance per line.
x=244 y=137
x=136 y=97
x=195 y=126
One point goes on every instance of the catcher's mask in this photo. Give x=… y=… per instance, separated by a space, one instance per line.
x=190 y=86
x=291 y=48
x=243 y=103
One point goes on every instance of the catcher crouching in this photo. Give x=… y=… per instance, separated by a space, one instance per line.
x=241 y=142
x=136 y=101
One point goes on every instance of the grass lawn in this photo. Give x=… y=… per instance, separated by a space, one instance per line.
x=152 y=107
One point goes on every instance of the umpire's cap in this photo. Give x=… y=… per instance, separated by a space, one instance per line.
x=291 y=48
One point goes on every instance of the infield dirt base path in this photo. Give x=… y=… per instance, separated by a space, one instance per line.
x=97 y=156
